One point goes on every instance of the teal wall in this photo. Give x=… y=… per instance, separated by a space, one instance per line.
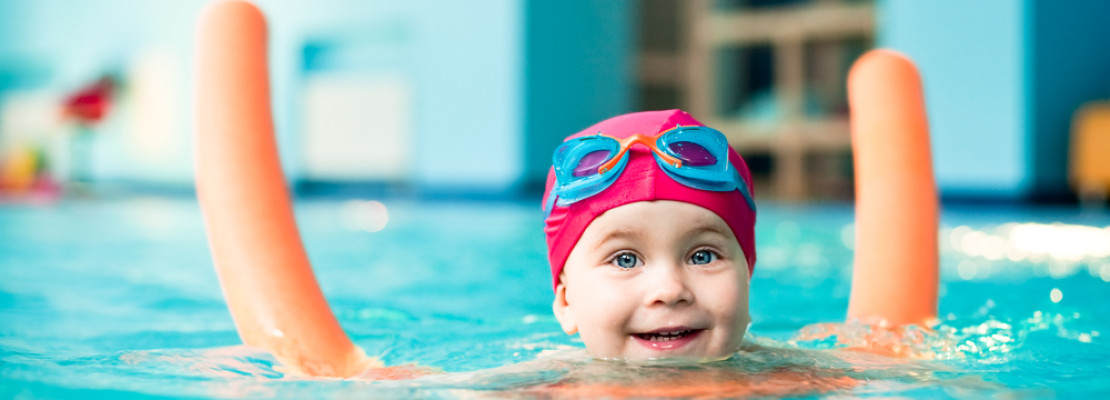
x=1068 y=66
x=579 y=63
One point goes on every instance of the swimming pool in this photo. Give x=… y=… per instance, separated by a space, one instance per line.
x=117 y=299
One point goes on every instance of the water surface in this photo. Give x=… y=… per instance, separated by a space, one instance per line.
x=116 y=298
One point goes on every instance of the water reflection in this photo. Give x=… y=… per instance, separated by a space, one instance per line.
x=1058 y=250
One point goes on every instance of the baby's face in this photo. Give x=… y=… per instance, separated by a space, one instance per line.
x=659 y=279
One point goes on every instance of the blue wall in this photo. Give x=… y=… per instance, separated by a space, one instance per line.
x=54 y=47
x=464 y=59
x=970 y=54
x=1002 y=79
x=495 y=83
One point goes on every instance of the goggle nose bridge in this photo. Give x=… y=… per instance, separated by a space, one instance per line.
x=649 y=142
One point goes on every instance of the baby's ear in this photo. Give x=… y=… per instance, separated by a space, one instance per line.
x=564 y=312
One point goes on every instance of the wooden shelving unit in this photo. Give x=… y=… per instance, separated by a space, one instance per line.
x=809 y=52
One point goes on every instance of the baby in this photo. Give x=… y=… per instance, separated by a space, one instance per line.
x=649 y=219
x=650 y=238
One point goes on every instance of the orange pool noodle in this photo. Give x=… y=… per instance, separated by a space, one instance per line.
x=262 y=265
x=894 y=279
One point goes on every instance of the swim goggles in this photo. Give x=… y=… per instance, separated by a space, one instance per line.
x=695 y=156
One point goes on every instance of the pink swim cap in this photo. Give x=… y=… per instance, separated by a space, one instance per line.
x=643 y=180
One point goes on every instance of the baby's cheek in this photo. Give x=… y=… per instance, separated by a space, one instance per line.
x=731 y=284
x=606 y=311
x=602 y=318
x=729 y=299
x=594 y=302
x=741 y=314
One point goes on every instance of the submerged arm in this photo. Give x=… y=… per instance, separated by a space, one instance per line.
x=263 y=268
x=894 y=280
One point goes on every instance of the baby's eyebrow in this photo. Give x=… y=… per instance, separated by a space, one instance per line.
x=628 y=234
x=710 y=228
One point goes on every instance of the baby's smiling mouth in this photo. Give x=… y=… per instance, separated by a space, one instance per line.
x=665 y=336
x=668 y=338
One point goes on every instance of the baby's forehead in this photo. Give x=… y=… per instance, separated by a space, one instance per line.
x=657 y=219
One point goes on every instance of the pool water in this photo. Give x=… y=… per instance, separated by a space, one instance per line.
x=117 y=298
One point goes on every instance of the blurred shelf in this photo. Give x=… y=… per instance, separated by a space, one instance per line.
x=660 y=68
x=805 y=49
x=823 y=20
x=819 y=135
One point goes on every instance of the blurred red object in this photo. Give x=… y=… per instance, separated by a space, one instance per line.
x=90 y=104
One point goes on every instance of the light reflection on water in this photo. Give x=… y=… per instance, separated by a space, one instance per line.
x=1057 y=249
x=111 y=299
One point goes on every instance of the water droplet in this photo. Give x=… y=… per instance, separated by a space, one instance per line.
x=1056 y=295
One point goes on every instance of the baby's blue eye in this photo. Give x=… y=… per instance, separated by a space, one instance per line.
x=702 y=257
x=626 y=260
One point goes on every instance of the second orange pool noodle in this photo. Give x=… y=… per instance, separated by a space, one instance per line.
x=263 y=268
x=894 y=279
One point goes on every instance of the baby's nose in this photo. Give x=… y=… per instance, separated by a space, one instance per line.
x=667 y=286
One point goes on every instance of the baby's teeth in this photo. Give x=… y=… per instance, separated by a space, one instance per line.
x=666 y=336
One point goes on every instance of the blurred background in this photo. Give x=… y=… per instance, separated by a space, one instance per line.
x=438 y=118
x=448 y=98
